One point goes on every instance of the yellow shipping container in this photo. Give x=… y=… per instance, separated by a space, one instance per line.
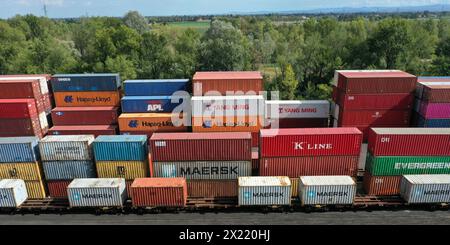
x=128 y=170
x=294 y=189
x=35 y=189
x=25 y=171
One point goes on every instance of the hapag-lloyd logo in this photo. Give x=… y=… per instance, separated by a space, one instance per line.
x=69 y=99
x=308 y=146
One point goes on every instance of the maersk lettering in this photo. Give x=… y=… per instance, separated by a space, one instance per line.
x=307 y=146
x=97 y=196
x=3 y=197
x=437 y=192
x=268 y=194
x=422 y=165
x=332 y=194
x=208 y=171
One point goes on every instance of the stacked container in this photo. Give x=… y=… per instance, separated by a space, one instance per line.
x=85 y=104
x=211 y=162
x=297 y=113
x=309 y=152
x=432 y=104
x=256 y=191
x=148 y=105
x=372 y=98
x=13 y=193
x=426 y=188
x=393 y=152
x=228 y=102
x=122 y=156
x=323 y=190
x=109 y=192
x=20 y=160
x=65 y=158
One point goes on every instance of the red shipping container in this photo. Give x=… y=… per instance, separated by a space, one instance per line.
x=335 y=94
x=436 y=93
x=381 y=185
x=229 y=146
x=374 y=117
x=20 y=89
x=255 y=139
x=80 y=130
x=368 y=82
x=255 y=159
x=212 y=188
x=58 y=188
x=62 y=116
x=375 y=101
x=365 y=130
x=159 y=192
x=17 y=108
x=295 y=167
x=48 y=105
x=310 y=142
x=409 y=141
x=298 y=123
x=223 y=82
x=20 y=127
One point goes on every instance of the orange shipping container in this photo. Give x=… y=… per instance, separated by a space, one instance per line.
x=97 y=98
x=227 y=124
x=381 y=185
x=212 y=188
x=155 y=122
x=226 y=82
x=155 y=192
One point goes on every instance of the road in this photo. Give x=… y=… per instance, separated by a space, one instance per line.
x=403 y=217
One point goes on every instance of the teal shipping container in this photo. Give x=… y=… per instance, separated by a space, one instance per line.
x=19 y=149
x=120 y=148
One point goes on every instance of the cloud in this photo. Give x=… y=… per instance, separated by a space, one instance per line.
x=40 y=2
x=54 y=2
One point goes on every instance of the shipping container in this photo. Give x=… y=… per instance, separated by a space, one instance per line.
x=68 y=147
x=201 y=147
x=89 y=99
x=120 y=148
x=434 y=110
x=366 y=81
x=212 y=188
x=23 y=170
x=297 y=109
x=128 y=184
x=309 y=166
x=362 y=157
x=334 y=93
x=227 y=83
x=296 y=123
x=255 y=139
x=402 y=165
x=63 y=116
x=423 y=81
x=431 y=123
x=385 y=101
x=147 y=133
x=65 y=170
x=255 y=159
x=155 y=122
x=142 y=104
x=228 y=124
x=58 y=188
x=94 y=130
x=425 y=188
x=381 y=185
x=310 y=142
x=21 y=89
x=19 y=149
x=155 y=87
x=259 y=190
x=35 y=189
x=13 y=193
x=229 y=106
x=17 y=108
x=97 y=192
x=128 y=170
x=85 y=82
x=203 y=170
x=323 y=190
x=436 y=93
x=20 y=127
x=372 y=117
x=159 y=192
x=409 y=141
x=42 y=80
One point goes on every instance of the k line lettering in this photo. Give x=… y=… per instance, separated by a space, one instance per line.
x=307 y=146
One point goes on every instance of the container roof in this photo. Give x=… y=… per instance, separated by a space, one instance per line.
x=327 y=180
x=147 y=98
x=435 y=79
x=264 y=181
x=157 y=81
x=88 y=74
x=121 y=138
x=96 y=182
x=232 y=97
x=200 y=136
x=428 y=178
x=96 y=108
x=227 y=75
x=159 y=182
x=18 y=140
x=298 y=102
x=10 y=183
x=17 y=101
x=308 y=131
x=84 y=127
x=421 y=131
x=145 y=115
x=438 y=86
x=67 y=138
x=374 y=74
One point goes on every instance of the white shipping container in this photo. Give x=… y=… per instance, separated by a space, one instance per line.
x=258 y=190
x=250 y=105
x=362 y=157
x=102 y=192
x=297 y=109
x=66 y=147
x=427 y=188
x=203 y=169
x=13 y=193
x=321 y=190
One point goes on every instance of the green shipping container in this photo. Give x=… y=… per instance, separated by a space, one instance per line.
x=391 y=166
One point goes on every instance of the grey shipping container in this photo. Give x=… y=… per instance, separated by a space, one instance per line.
x=265 y=191
x=317 y=190
x=19 y=149
x=67 y=170
x=434 y=188
x=66 y=147
x=97 y=192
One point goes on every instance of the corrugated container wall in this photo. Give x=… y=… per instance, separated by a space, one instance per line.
x=120 y=148
x=434 y=110
x=13 y=193
x=164 y=87
x=65 y=170
x=35 y=189
x=154 y=192
x=19 y=149
x=375 y=101
x=64 y=116
x=297 y=109
x=58 y=188
x=155 y=122
x=425 y=188
x=71 y=147
x=229 y=106
x=255 y=191
x=85 y=82
x=17 y=108
x=21 y=170
x=317 y=190
x=97 y=192
x=94 y=130
x=89 y=99
x=212 y=188
x=142 y=104
x=226 y=82
x=381 y=185
x=122 y=169
x=392 y=165
x=436 y=93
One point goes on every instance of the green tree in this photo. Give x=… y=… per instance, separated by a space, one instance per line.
x=289 y=84
x=134 y=20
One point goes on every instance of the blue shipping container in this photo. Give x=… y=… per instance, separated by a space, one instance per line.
x=120 y=148
x=433 y=123
x=67 y=170
x=85 y=82
x=19 y=149
x=143 y=104
x=154 y=87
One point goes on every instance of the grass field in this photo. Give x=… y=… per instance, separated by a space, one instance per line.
x=175 y=28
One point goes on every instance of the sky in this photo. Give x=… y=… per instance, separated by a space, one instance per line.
x=77 y=8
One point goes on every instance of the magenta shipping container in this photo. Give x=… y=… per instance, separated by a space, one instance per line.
x=409 y=141
x=201 y=146
x=84 y=115
x=434 y=110
x=310 y=142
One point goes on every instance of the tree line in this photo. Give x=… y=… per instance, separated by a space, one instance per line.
x=297 y=58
